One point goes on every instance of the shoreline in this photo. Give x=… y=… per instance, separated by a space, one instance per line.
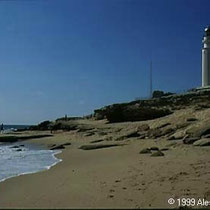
x=114 y=177
x=37 y=147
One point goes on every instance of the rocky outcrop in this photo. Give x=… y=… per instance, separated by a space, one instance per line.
x=140 y=110
x=124 y=112
x=45 y=125
x=159 y=94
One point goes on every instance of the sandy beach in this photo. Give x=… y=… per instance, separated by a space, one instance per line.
x=115 y=177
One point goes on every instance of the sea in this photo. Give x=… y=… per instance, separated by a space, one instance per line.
x=10 y=128
x=23 y=158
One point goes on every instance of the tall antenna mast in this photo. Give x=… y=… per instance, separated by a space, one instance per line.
x=151 y=80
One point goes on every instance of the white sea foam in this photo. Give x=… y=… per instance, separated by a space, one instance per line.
x=14 y=162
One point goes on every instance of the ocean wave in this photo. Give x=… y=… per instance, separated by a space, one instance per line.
x=17 y=160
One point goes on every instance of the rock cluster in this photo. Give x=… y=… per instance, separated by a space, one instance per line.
x=124 y=112
x=153 y=108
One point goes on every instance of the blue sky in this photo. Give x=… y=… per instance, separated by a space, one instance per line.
x=70 y=57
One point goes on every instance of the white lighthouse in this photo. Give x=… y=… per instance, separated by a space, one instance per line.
x=206 y=58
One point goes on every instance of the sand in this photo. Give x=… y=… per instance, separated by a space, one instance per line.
x=116 y=177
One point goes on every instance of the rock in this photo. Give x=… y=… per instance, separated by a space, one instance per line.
x=84 y=128
x=157 y=154
x=111 y=196
x=190 y=140
x=131 y=112
x=101 y=133
x=15 y=146
x=45 y=125
x=98 y=116
x=96 y=141
x=171 y=144
x=202 y=142
x=61 y=146
x=207 y=136
x=182 y=125
x=144 y=127
x=140 y=109
x=163 y=125
x=143 y=135
x=51 y=145
x=199 y=130
x=132 y=134
x=145 y=151
x=201 y=107
x=154 y=148
x=89 y=134
x=157 y=94
x=19 y=150
x=98 y=146
x=58 y=147
x=176 y=136
x=120 y=138
x=191 y=119
x=164 y=149
x=167 y=131
x=155 y=133
x=171 y=138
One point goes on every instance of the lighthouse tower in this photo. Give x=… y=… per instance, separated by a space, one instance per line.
x=206 y=58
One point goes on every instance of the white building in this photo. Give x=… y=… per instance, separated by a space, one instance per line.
x=206 y=58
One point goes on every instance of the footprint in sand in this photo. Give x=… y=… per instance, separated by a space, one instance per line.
x=111 y=190
x=207 y=194
x=135 y=184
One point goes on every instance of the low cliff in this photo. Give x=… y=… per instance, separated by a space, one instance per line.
x=141 y=110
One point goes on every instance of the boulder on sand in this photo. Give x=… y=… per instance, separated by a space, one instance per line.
x=199 y=130
x=190 y=140
x=154 y=148
x=61 y=146
x=157 y=154
x=176 y=136
x=98 y=146
x=145 y=151
x=202 y=142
